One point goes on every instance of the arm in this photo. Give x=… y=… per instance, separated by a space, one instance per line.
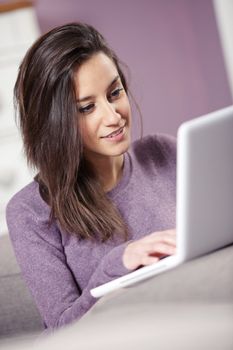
x=42 y=259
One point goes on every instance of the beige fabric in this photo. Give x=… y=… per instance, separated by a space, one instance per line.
x=190 y=307
x=18 y=313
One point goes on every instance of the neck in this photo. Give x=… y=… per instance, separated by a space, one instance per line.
x=109 y=171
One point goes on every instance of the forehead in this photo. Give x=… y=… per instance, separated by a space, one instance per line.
x=94 y=74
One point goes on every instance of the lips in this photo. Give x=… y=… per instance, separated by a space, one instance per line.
x=114 y=133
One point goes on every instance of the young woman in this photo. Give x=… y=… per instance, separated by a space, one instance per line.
x=99 y=206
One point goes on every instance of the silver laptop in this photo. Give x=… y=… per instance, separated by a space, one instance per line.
x=204 y=218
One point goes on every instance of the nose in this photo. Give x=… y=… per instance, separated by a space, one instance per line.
x=110 y=114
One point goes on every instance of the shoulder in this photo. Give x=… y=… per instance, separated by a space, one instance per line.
x=159 y=148
x=26 y=208
x=28 y=198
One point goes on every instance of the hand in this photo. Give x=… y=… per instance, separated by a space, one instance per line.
x=149 y=249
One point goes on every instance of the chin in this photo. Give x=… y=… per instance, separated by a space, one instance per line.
x=122 y=149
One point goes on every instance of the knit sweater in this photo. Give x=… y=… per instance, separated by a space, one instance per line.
x=59 y=268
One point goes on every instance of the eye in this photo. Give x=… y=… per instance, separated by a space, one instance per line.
x=116 y=93
x=86 y=109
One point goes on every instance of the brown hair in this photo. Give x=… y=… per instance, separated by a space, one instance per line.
x=46 y=103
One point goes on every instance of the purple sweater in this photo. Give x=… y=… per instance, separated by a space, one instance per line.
x=60 y=269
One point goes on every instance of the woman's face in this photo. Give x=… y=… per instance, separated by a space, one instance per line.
x=104 y=109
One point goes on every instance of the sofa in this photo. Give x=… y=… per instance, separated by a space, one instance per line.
x=19 y=316
x=189 y=307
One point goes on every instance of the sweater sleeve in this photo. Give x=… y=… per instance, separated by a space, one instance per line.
x=41 y=257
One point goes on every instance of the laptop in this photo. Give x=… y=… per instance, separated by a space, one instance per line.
x=204 y=210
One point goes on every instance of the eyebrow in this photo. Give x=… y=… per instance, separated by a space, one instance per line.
x=83 y=99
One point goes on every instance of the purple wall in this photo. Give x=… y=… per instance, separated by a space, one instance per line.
x=171 y=46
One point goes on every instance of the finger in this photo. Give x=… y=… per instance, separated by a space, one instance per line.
x=159 y=255
x=161 y=248
x=165 y=246
x=148 y=260
x=164 y=238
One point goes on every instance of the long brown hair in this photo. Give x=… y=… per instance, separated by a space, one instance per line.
x=47 y=111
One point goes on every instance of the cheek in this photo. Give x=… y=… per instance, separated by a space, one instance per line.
x=88 y=130
x=126 y=109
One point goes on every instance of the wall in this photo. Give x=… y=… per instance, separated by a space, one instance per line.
x=223 y=13
x=18 y=30
x=171 y=46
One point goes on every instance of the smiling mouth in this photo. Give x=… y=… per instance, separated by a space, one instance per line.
x=114 y=133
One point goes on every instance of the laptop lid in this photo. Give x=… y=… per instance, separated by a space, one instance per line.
x=205 y=184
